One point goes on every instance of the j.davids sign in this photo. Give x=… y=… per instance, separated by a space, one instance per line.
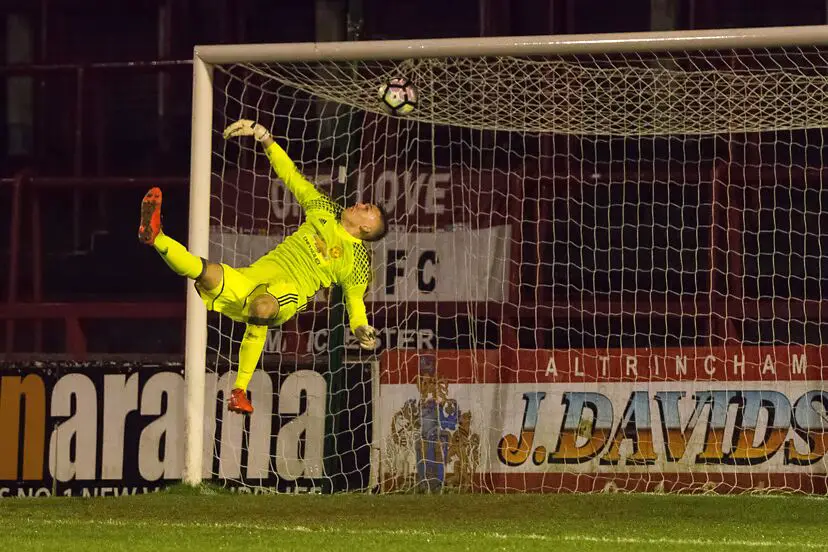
x=580 y=419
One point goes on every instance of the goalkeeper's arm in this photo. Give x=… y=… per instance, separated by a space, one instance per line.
x=365 y=334
x=283 y=165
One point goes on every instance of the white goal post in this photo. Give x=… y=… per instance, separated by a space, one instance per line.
x=530 y=48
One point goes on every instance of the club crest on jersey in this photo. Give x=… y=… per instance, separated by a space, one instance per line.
x=335 y=252
x=321 y=246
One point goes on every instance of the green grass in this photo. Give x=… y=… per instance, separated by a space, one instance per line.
x=188 y=520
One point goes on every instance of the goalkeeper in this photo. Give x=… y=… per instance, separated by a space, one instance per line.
x=326 y=249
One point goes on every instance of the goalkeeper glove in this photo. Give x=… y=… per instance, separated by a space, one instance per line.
x=246 y=127
x=367 y=337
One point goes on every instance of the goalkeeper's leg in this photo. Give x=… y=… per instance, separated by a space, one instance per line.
x=182 y=262
x=263 y=310
x=258 y=312
x=271 y=307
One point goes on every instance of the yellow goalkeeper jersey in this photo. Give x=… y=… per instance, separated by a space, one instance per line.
x=321 y=252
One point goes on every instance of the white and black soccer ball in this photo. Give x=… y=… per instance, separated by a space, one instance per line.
x=398 y=96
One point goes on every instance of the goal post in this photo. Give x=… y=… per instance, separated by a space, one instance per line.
x=195 y=349
x=497 y=101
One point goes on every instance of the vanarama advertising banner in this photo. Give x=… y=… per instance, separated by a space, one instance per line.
x=106 y=429
x=646 y=419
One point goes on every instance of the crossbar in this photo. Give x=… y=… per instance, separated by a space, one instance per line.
x=663 y=41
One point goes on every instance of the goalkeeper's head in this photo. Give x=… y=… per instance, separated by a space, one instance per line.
x=366 y=221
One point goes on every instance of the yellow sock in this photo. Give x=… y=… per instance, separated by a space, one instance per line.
x=178 y=258
x=249 y=353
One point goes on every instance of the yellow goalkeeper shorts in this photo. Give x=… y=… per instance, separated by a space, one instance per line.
x=233 y=296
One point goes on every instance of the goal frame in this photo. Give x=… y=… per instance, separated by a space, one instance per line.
x=205 y=57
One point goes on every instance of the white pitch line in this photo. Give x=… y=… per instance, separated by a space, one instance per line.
x=713 y=543
x=696 y=542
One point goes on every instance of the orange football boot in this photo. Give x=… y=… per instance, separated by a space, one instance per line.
x=238 y=402
x=150 y=225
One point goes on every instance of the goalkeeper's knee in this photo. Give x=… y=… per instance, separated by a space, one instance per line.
x=263 y=309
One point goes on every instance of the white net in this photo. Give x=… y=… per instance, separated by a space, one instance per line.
x=603 y=272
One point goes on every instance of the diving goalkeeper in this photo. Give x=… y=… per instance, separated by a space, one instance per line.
x=326 y=249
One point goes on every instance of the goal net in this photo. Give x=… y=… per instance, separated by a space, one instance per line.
x=604 y=272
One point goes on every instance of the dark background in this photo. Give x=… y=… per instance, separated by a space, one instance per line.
x=99 y=92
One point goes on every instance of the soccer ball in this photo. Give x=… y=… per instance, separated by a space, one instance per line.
x=398 y=96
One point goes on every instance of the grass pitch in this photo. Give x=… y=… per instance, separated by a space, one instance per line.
x=184 y=519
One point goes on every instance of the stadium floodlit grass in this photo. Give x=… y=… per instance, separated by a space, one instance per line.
x=186 y=519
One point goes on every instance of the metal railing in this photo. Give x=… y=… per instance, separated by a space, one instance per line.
x=88 y=130
x=38 y=308
x=87 y=133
